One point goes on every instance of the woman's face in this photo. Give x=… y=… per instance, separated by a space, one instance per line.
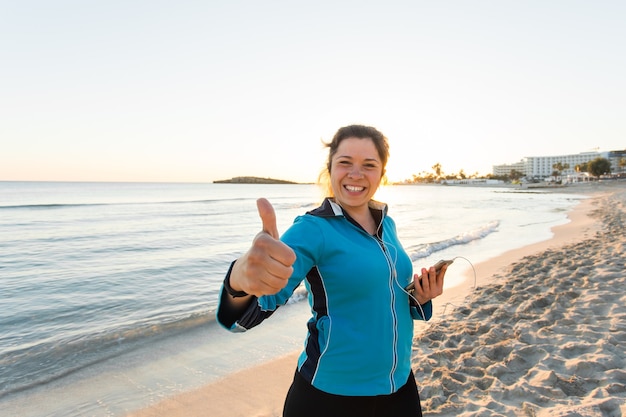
x=356 y=172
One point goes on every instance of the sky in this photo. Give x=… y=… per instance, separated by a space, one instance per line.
x=197 y=91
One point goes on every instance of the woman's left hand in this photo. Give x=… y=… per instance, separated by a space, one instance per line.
x=431 y=284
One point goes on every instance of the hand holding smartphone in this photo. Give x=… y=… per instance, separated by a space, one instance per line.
x=411 y=287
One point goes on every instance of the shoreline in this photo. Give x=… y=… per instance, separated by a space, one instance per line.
x=265 y=385
x=547 y=335
x=579 y=227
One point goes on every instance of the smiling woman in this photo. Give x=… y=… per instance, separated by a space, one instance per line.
x=360 y=311
x=356 y=165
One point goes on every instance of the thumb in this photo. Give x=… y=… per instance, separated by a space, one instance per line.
x=268 y=217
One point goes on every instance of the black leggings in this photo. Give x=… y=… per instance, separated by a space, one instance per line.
x=304 y=400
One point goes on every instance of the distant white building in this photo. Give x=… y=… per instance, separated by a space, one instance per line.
x=505 y=169
x=615 y=157
x=542 y=167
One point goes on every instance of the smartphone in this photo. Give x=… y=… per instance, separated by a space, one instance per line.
x=411 y=287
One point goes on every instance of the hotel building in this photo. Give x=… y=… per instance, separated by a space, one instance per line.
x=541 y=167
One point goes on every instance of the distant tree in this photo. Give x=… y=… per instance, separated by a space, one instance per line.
x=438 y=174
x=422 y=177
x=599 y=166
x=622 y=163
x=515 y=175
x=584 y=167
x=438 y=170
x=559 y=167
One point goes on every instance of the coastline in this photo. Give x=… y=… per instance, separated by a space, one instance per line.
x=546 y=335
x=264 y=387
x=579 y=227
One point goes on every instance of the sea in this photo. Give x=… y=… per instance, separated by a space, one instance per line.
x=108 y=291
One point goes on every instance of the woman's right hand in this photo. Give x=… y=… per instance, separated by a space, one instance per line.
x=266 y=267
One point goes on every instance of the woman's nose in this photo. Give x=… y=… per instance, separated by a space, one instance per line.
x=355 y=172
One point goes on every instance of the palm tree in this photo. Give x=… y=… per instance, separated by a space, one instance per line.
x=515 y=175
x=438 y=170
x=559 y=167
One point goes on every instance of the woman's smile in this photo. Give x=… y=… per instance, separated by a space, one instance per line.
x=354 y=189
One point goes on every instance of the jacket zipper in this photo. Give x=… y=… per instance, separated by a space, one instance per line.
x=392 y=278
x=394 y=316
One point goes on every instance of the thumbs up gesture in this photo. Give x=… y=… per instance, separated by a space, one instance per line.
x=266 y=267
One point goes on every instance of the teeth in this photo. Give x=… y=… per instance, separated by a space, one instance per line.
x=354 y=189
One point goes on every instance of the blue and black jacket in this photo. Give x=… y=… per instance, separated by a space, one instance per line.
x=360 y=334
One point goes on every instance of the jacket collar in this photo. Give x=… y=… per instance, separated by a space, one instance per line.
x=329 y=208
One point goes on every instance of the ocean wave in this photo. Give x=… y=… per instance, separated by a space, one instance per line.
x=48 y=206
x=34 y=365
x=425 y=250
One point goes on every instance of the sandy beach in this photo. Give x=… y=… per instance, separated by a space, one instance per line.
x=538 y=331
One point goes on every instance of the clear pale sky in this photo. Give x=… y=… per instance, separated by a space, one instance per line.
x=205 y=90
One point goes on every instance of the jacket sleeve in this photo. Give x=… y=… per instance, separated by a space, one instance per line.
x=424 y=312
x=258 y=310
x=302 y=236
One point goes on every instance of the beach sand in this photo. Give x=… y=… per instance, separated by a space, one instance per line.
x=538 y=331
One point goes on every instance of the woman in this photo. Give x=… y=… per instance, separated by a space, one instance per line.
x=357 y=356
